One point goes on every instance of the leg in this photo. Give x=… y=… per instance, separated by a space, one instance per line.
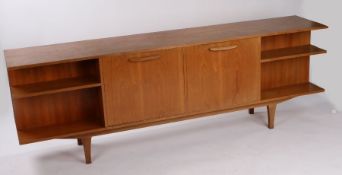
x=271 y=109
x=86 y=141
x=79 y=142
x=251 y=111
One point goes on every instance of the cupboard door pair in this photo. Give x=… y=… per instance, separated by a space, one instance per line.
x=150 y=85
x=142 y=86
x=222 y=75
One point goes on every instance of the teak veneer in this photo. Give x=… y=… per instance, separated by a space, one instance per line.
x=88 y=88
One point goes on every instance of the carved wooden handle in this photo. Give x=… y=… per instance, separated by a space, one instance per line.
x=143 y=59
x=217 y=49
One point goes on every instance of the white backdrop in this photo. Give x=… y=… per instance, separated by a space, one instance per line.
x=326 y=70
x=39 y=22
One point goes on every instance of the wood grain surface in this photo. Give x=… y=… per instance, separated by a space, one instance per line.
x=224 y=78
x=159 y=40
x=141 y=90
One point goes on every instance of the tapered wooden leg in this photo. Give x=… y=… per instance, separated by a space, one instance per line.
x=251 y=111
x=86 y=141
x=271 y=110
x=79 y=142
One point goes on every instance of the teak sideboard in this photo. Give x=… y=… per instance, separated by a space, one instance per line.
x=88 y=88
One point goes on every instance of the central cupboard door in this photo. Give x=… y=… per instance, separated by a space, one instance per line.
x=222 y=75
x=143 y=86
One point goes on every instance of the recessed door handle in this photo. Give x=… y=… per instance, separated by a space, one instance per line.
x=143 y=59
x=218 y=49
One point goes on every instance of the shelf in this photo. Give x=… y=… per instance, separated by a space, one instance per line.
x=52 y=87
x=58 y=131
x=290 y=91
x=290 y=53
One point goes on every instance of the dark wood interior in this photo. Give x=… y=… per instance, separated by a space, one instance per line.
x=52 y=100
x=54 y=72
x=284 y=72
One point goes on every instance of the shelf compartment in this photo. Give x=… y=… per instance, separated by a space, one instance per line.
x=51 y=87
x=291 y=91
x=53 y=115
x=55 y=72
x=290 y=53
x=58 y=131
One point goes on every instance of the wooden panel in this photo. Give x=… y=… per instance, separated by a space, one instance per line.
x=158 y=40
x=286 y=72
x=57 y=109
x=219 y=78
x=285 y=41
x=290 y=53
x=87 y=69
x=143 y=86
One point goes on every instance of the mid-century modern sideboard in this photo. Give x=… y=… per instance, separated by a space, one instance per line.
x=83 y=89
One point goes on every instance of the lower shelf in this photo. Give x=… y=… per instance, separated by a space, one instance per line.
x=291 y=91
x=49 y=132
x=94 y=127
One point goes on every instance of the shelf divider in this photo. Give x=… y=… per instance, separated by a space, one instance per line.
x=290 y=53
x=291 y=91
x=52 y=87
x=57 y=131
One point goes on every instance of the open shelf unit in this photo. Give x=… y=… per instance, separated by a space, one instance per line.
x=285 y=68
x=290 y=53
x=285 y=61
x=57 y=100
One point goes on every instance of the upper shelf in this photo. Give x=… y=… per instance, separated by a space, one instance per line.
x=289 y=53
x=52 y=87
x=26 y=57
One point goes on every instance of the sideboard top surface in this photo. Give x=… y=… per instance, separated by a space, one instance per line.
x=50 y=54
